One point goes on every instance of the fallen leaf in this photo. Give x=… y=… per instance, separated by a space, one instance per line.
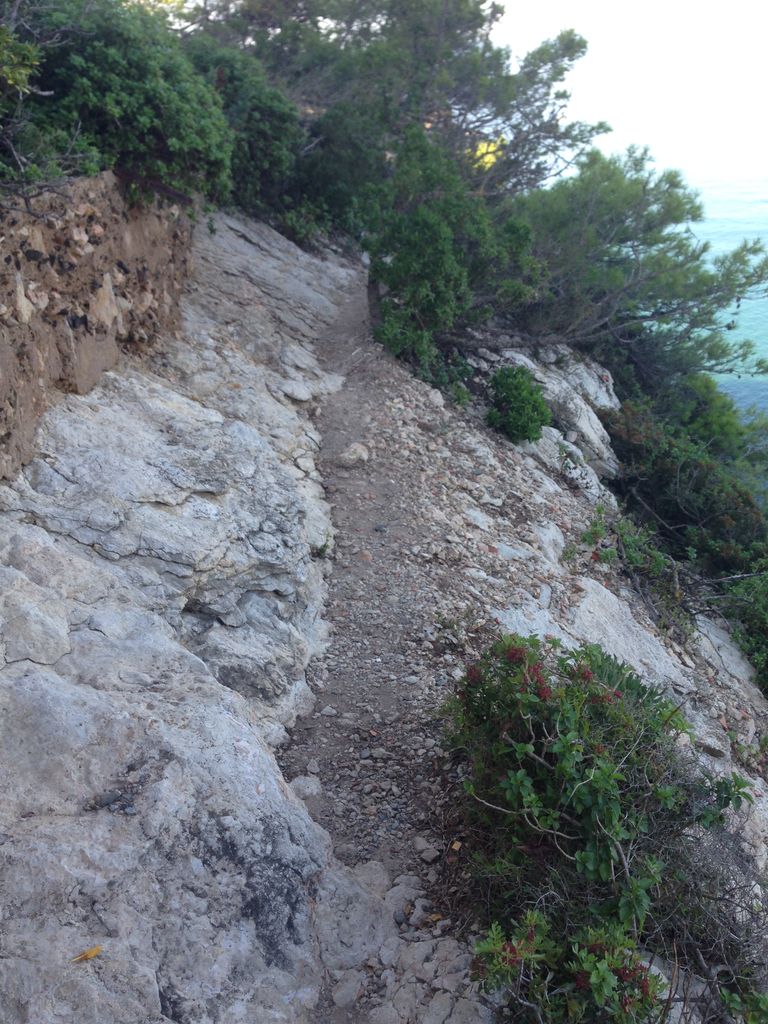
x=88 y=954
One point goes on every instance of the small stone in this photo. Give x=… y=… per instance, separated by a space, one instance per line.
x=106 y=799
x=430 y=855
x=712 y=747
x=306 y=786
x=373 y=877
x=329 y=712
x=313 y=767
x=420 y=844
x=386 y=1014
x=24 y=308
x=354 y=455
x=296 y=390
x=439 y=1009
x=104 y=309
x=390 y=951
x=348 y=990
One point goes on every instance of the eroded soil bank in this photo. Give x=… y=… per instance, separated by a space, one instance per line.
x=81 y=272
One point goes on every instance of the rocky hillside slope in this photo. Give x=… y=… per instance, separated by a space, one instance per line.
x=159 y=604
x=165 y=561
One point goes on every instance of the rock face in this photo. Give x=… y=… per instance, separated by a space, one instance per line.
x=575 y=389
x=83 y=273
x=159 y=603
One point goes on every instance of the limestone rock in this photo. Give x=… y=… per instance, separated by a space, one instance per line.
x=305 y=786
x=562 y=458
x=354 y=455
x=158 y=604
x=574 y=387
x=719 y=648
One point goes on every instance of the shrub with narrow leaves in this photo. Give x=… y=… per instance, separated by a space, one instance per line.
x=518 y=406
x=597 y=840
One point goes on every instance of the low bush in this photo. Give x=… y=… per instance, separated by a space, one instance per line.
x=655 y=573
x=518 y=408
x=747 y=602
x=696 y=502
x=599 y=844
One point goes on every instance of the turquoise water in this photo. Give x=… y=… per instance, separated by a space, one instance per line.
x=735 y=211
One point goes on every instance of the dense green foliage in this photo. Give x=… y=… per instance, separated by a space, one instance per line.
x=434 y=245
x=597 y=841
x=118 y=82
x=699 y=506
x=17 y=62
x=517 y=408
x=399 y=65
x=264 y=124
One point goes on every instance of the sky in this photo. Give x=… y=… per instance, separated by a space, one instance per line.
x=687 y=79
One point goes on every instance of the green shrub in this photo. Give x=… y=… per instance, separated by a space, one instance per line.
x=265 y=125
x=597 y=529
x=121 y=82
x=17 y=63
x=519 y=409
x=597 y=842
x=655 y=573
x=436 y=247
x=695 y=501
x=747 y=602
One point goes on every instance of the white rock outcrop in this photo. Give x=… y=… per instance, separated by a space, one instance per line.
x=574 y=387
x=159 y=603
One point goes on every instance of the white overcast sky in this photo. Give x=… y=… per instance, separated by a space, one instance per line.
x=688 y=79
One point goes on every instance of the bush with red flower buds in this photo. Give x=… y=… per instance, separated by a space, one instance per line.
x=593 y=834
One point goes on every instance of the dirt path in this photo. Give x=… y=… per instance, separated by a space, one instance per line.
x=368 y=760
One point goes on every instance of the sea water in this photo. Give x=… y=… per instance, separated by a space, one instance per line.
x=735 y=211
